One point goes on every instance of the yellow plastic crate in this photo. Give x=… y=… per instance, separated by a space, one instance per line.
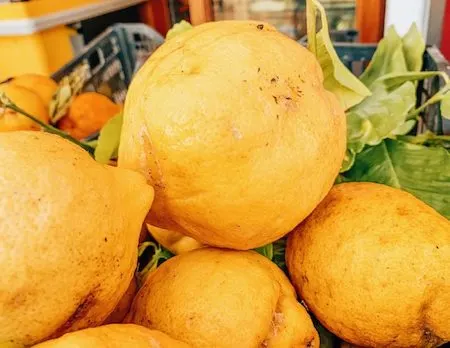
x=34 y=37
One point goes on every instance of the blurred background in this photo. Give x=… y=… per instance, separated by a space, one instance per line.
x=54 y=32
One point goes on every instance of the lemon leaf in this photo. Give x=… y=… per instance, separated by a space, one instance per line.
x=337 y=78
x=413 y=48
x=388 y=58
x=422 y=171
x=109 y=139
x=266 y=250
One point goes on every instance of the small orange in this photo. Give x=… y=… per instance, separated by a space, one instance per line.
x=41 y=85
x=28 y=101
x=87 y=114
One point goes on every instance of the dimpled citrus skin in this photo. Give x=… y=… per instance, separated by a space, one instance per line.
x=223 y=298
x=69 y=230
x=372 y=264
x=27 y=101
x=114 y=336
x=231 y=124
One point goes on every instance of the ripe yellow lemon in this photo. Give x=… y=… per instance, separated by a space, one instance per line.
x=231 y=124
x=69 y=230
x=372 y=264
x=223 y=298
x=114 y=336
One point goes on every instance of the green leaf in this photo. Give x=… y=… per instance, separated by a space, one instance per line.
x=379 y=115
x=279 y=249
x=404 y=128
x=178 y=28
x=109 y=139
x=445 y=106
x=394 y=80
x=422 y=171
x=349 y=160
x=266 y=250
x=388 y=58
x=413 y=48
x=337 y=78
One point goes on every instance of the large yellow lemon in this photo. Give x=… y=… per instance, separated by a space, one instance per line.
x=223 y=298
x=372 y=264
x=231 y=124
x=69 y=230
x=114 y=336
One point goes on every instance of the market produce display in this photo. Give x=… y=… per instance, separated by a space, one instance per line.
x=334 y=209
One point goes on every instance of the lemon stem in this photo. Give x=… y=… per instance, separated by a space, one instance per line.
x=47 y=128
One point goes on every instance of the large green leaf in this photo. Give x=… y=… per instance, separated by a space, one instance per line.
x=388 y=58
x=413 y=48
x=337 y=78
x=108 y=141
x=422 y=171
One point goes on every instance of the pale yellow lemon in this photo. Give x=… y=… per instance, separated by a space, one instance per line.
x=231 y=123
x=114 y=336
x=69 y=230
x=372 y=264
x=223 y=298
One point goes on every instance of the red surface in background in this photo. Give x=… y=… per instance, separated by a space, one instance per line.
x=445 y=43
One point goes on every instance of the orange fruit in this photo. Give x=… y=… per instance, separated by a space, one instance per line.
x=44 y=86
x=28 y=101
x=87 y=114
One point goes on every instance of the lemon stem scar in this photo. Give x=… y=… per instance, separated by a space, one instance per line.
x=5 y=102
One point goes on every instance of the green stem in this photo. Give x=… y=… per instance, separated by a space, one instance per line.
x=439 y=96
x=49 y=128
